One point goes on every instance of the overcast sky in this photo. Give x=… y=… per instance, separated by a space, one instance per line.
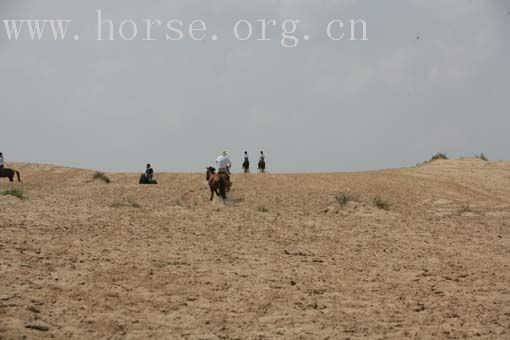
x=433 y=76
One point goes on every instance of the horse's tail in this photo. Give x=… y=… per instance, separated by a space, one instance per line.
x=17 y=174
x=223 y=187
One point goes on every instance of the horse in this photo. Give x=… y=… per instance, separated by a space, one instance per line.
x=246 y=166
x=145 y=180
x=9 y=173
x=218 y=183
x=262 y=166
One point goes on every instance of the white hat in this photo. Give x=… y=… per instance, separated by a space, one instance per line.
x=224 y=153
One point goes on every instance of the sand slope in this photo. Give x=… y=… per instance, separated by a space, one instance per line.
x=280 y=260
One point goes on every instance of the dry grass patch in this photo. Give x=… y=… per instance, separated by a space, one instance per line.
x=129 y=203
x=466 y=209
x=18 y=193
x=102 y=177
x=381 y=203
x=343 y=198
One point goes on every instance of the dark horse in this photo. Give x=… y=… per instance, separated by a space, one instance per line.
x=145 y=180
x=262 y=165
x=218 y=183
x=246 y=166
x=9 y=173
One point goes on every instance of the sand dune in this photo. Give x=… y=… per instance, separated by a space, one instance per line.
x=282 y=259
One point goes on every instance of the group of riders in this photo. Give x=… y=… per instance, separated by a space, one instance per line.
x=224 y=163
x=219 y=181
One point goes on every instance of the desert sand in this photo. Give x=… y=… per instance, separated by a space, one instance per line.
x=281 y=259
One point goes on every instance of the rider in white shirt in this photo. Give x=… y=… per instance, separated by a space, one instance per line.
x=224 y=163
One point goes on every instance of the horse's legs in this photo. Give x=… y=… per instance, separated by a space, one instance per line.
x=223 y=188
x=214 y=190
x=11 y=178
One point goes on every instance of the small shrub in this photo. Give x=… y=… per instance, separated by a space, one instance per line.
x=101 y=176
x=438 y=155
x=263 y=210
x=464 y=209
x=381 y=203
x=344 y=198
x=18 y=193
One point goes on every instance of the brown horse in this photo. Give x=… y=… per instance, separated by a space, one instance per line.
x=262 y=166
x=218 y=183
x=9 y=173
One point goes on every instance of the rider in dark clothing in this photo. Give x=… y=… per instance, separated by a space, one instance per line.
x=246 y=162
x=262 y=162
x=149 y=173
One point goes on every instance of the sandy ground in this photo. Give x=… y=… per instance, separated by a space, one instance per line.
x=282 y=259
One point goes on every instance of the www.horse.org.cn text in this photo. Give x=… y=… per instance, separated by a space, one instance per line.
x=286 y=31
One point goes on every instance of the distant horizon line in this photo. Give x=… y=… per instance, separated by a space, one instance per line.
x=251 y=172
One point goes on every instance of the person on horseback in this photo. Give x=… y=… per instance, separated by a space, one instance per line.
x=246 y=163
x=224 y=165
x=6 y=172
x=148 y=176
x=262 y=162
x=149 y=173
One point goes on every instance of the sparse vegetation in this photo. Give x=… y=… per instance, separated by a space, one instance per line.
x=435 y=157
x=129 y=203
x=344 y=198
x=134 y=204
x=466 y=208
x=263 y=210
x=102 y=177
x=381 y=203
x=18 y=193
x=438 y=156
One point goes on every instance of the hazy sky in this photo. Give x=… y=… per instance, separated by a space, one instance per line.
x=391 y=101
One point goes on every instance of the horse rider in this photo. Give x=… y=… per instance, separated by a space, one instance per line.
x=1 y=160
x=246 y=162
x=149 y=173
x=224 y=164
x=262 y=160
